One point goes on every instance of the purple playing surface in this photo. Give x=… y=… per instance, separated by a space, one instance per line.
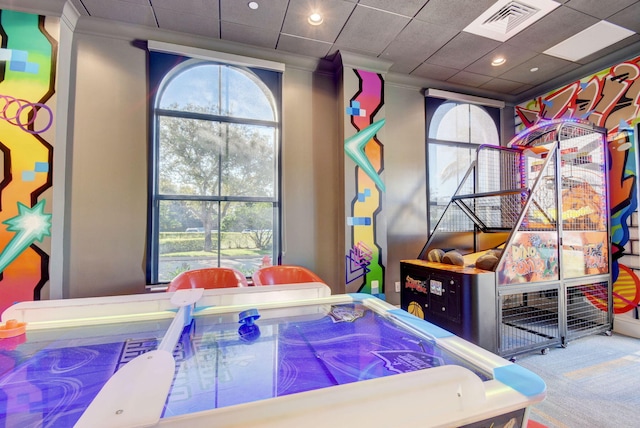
x=46 y=383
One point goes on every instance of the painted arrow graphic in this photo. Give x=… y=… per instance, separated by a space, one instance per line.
x=354 y=148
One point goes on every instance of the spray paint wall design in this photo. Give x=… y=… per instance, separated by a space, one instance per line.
x=364 y=259
x=610 y=99
x=28 y=54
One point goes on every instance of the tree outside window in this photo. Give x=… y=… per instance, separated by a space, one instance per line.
x=215 y=175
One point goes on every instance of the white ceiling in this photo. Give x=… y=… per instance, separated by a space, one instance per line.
x=422 y=38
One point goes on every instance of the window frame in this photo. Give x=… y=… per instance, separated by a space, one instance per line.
x=431 y=106
x=159 y=81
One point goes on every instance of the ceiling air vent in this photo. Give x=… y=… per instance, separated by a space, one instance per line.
x=507 y=18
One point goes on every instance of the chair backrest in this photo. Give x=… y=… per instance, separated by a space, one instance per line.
x=216 y=277
x=284 y=274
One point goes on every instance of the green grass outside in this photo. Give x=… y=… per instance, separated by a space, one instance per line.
x=229 y=252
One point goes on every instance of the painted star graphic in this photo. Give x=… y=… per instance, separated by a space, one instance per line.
x=30 y=225
x=354 y=148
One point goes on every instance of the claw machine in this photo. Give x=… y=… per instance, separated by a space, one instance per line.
x=520 y=259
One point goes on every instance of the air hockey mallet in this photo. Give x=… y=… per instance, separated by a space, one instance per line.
x=135 y=395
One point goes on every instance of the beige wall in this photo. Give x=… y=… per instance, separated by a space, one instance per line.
x=107 y=197
x=405 y=178
x=312 y=187
x=100 y=176
x=107 y=200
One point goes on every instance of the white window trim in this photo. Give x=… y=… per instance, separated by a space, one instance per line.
x=470 y=99
x=244 y=61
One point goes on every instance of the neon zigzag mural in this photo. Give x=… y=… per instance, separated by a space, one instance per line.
x=610 y=99
x=27 y=56
x=364 y=258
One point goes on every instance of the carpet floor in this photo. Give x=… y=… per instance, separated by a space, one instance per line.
x=593 y=382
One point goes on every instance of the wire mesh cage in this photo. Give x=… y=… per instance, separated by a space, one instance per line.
x=539 y=207
x=587 y=308
x=529 y=320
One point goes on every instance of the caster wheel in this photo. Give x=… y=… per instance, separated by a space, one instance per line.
x=608 y=333
x=512 y=359
x=544 y=351
x=564 y=345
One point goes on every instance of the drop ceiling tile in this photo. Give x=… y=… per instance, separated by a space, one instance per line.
x=434 y=72
x=593 y=39
x=557 y=26
x=335 y=13
x=302 y=46
x=204 y=25
x=469 y=79
x=132 y=12
x=628 y=18
x=370 y=30
x=269 y=15
x=598 y=8
x=415 y=43
x=549 y=67
x=462 y=51
x=611 y=49
x=514 y=56
x=193 y=7
x=455 y=14
x=505 y=86
x=248 y=35
x=404 y=7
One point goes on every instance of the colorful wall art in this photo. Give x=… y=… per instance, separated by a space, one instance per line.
x=610 y=99
x=364 y=163
x=28 y=53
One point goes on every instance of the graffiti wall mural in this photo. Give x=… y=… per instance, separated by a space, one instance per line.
x=28 y=53
x=364 y=258
x=610 y=99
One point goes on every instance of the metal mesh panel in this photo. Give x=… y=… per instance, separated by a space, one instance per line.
x=454 y=220
x=583 y=180
x=499 y=211
x=498 y=169
x=587 y=308
x=572 y=130
x=542 y=214
x=528 y=321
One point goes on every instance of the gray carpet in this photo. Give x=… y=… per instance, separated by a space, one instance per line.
x=593 y=382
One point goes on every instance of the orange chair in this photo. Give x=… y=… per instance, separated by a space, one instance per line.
x=284 y=274
x=216 y=277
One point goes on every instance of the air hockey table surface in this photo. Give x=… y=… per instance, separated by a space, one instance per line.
x=280 y=356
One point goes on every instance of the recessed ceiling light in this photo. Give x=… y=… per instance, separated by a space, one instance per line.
x=498 y=61
x=534 y=69
x=253 y=5
x=315 y=19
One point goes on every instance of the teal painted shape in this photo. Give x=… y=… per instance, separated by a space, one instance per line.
x=354 y=148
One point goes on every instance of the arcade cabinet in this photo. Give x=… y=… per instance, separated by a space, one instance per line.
x=520 y=259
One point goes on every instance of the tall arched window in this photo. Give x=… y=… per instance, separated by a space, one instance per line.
x=454 y=132
x=215 y=166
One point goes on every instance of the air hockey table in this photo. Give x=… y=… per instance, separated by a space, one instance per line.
x=279 y=356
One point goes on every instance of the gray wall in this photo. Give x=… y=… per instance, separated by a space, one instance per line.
x=107 y=211
x=102 y=150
